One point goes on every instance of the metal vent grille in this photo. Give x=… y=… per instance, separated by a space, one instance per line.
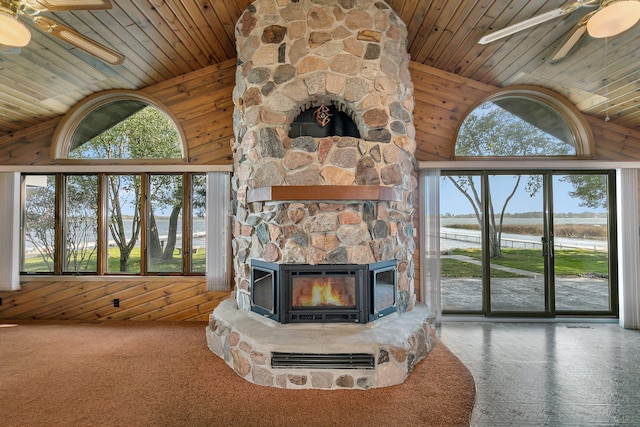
x=323 y=361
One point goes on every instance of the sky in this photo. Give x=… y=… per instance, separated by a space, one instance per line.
x=453 y=202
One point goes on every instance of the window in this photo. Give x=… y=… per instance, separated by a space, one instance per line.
x=143 y=230
x=108 y=222
x=124 y=219
x=524 y=122
x=518 y=242
x=118 y=202
x=38 y=223
x=121 y=125
x=165 y=219
x=528 y=243
x=197 y=230
x=145 y=134
x=80 y=227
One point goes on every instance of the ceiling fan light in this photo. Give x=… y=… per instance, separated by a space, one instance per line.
x=614 y=18
x=13 y=32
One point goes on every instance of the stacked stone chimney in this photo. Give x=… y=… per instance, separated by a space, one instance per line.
x=294 y=55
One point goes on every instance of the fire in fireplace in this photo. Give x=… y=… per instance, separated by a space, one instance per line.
x=292 y=293
x=323 y=291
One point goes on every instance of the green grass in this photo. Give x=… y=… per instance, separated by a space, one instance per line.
x=37 y=265
x=454 y=268
x=568 y=262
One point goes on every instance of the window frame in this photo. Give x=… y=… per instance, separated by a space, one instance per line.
x=102 y=231
x=62 y=181
x=56 y=227
x=217 y=179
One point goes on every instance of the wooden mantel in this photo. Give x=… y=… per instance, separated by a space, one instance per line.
x=324 y=192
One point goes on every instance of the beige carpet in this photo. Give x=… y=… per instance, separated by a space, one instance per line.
x=162 y=374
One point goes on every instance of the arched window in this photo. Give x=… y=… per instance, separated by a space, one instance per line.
x=524 y=121
x=118 y=125
x=119 y=215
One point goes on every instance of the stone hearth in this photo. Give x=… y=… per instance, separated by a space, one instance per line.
x=246 y=342
x=296 y=57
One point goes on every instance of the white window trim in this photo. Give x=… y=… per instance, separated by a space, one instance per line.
x=629 y=247
x=430 y=270
x=218 y=261
x=10 y=231
x=119 y=168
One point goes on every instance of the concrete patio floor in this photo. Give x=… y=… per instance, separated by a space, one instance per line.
x=523 y=293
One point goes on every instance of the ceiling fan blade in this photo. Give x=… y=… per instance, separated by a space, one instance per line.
x=515 y=28
x=570 y=42
x=62 y=5
x=73 y=37
x=536 y=20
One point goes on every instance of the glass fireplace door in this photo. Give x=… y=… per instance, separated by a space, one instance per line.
x=264 y=290
x=327 y=293
x=323 y=291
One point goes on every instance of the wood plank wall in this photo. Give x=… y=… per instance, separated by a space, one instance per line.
x=202 y=103
x=176 y=299
x=443 y=99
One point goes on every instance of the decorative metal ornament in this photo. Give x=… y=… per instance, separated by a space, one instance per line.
x=322 y=115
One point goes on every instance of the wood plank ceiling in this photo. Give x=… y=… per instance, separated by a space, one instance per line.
x=164 y=39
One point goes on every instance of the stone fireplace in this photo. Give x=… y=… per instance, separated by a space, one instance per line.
x=323 y=182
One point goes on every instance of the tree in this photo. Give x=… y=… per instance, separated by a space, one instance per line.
x=147 y=134
x=39 y=219
x=81 y=228
x=124 y=193
x=490 y=131
x=167 y=193
x=590 y=189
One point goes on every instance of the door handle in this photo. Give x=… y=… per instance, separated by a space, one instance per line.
x=547 y=248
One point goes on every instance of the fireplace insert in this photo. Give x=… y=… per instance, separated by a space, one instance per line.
x=302 y=293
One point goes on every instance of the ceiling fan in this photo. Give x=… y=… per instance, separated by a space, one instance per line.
x=611 y=18
x=14 y=34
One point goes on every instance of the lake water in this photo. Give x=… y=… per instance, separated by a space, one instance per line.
x=445 y=221
x=198 y=239
x=465 y=239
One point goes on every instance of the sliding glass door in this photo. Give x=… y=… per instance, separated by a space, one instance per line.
x=528 y=244
x=582 y=237
x=461 y=248
x=515 y=236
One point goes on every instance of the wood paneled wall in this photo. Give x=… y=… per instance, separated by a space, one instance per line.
x=175 y=299
x=441 y=102
x=443 y=99
x=202 y=103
